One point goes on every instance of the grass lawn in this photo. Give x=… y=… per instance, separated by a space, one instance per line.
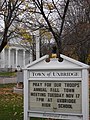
x=7 y=74
x=11 y=104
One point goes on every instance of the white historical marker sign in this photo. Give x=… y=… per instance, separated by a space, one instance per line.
x=57 y=90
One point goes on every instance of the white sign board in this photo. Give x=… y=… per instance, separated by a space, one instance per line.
x=60 y=96
x=58 y=92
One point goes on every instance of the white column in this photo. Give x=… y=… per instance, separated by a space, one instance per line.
x=9 y=57
x=16 y=58
x=31 y=59
x=23 y=58
x=3 y=58
x=37 y=45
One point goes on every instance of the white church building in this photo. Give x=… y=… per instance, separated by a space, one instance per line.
x=14 y=55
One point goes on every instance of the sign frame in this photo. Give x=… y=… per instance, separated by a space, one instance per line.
x=83 y=68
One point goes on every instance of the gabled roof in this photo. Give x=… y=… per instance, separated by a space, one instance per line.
x=67 y=63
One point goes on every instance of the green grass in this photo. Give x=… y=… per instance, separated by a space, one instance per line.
x=10 y=86
x=11 y=104
x=7 y=74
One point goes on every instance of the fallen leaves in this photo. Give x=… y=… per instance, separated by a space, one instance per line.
x=11 y=104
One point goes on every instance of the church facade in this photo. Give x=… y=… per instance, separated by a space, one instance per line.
x=14 y=55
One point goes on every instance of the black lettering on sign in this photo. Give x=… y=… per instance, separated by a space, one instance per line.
x=69 y=95
x=40 y=99
x=47 y=84
x=38 y=74
x=48 y=74
x=49 y=100
x=54 y=90
x=46 y=105
x=77 y=95
x=68 y=90
x=66 y=100
x=65 y=106
x=57 y=84
x=37 y=84
x=38 y=94
x=71 y=84
x=40 y=89
x=55 y=95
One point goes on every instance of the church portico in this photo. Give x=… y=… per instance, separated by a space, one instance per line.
x=21 y=57
x=12 y=57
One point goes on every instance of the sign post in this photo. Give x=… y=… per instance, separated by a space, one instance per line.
x=57 y=90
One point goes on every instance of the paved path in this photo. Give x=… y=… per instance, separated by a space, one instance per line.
x=5 y=80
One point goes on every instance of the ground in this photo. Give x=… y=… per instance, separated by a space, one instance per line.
x=11 y=104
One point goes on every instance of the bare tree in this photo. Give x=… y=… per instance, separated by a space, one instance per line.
x=77 y=30
x=9 y=10
x=53 y=18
